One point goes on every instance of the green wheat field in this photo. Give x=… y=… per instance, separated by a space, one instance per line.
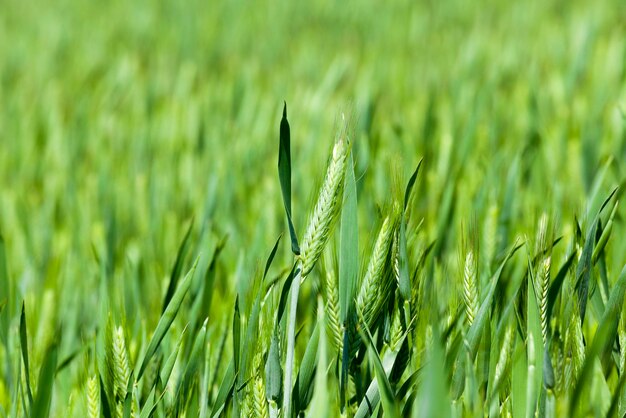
x=312 y=209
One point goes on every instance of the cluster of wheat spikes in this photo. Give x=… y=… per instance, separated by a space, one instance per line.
x=555 y=349
x=397 y=328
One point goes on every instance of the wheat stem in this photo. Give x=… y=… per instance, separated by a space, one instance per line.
x=291 y=337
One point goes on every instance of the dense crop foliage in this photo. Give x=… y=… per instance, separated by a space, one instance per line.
x=430 y=227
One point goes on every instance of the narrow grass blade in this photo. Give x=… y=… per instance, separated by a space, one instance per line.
x=24 y=346
x=284 y=174
x=475 y=331
x=149 y=409
x=166 y=319
x=557 y=283
x=603 y=339
x=349 y=245
x=284 y=294
x=433 y=396
x=583 y=271
x=372 y=394
x=268 y=263
x=348 y=264
x=71 y=357
x=187 y=382
x=615 y=400
x=303 y=388
x=519 y=377
x=531 y=386
x=41 y=405
x=445 y=216
x=225 y=391
x=614 y=307
x=411 y=183
x=345 y=364
x=204 y=383
x=250 y=340
x=128 y=399
x=404 y=284
x=178 y=266
x=5 y=295
x=273 y=371
x=209 y=280
x=604 y=237
x=166 y=371
x=319 y=404
x=105 y=406
x=236 y=335
x=390 y=406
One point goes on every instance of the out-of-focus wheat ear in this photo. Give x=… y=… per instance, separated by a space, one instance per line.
x=470 y=286
x=328 y=204
x=396 y=333
x=260 y=404
x=93 y=397
x=332 y=310
x=258 y=386
x=542 y=282
x=370 y=292
x=543 y=288
x=122 y=370
x=109 y=363
x=395 y=256
x=505 y=355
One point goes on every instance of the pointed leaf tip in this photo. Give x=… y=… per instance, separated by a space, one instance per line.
x=284 y=175
x=411 y=183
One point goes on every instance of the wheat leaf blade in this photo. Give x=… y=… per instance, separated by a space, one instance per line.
x=284 y=174
x=166 y=319
x=41 y=404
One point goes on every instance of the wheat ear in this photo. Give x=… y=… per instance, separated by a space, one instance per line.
x=93 y=397
x=372 y=295
x=332 y=311
x=574 y=346
x=315 y=238
x=122 y=370
x=470 y=287
x=327 y=207
x=543 y=285
x=542 y=281
x=258 y=388
x=505 y=354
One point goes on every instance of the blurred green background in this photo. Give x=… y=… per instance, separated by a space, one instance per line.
x=121 y=121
